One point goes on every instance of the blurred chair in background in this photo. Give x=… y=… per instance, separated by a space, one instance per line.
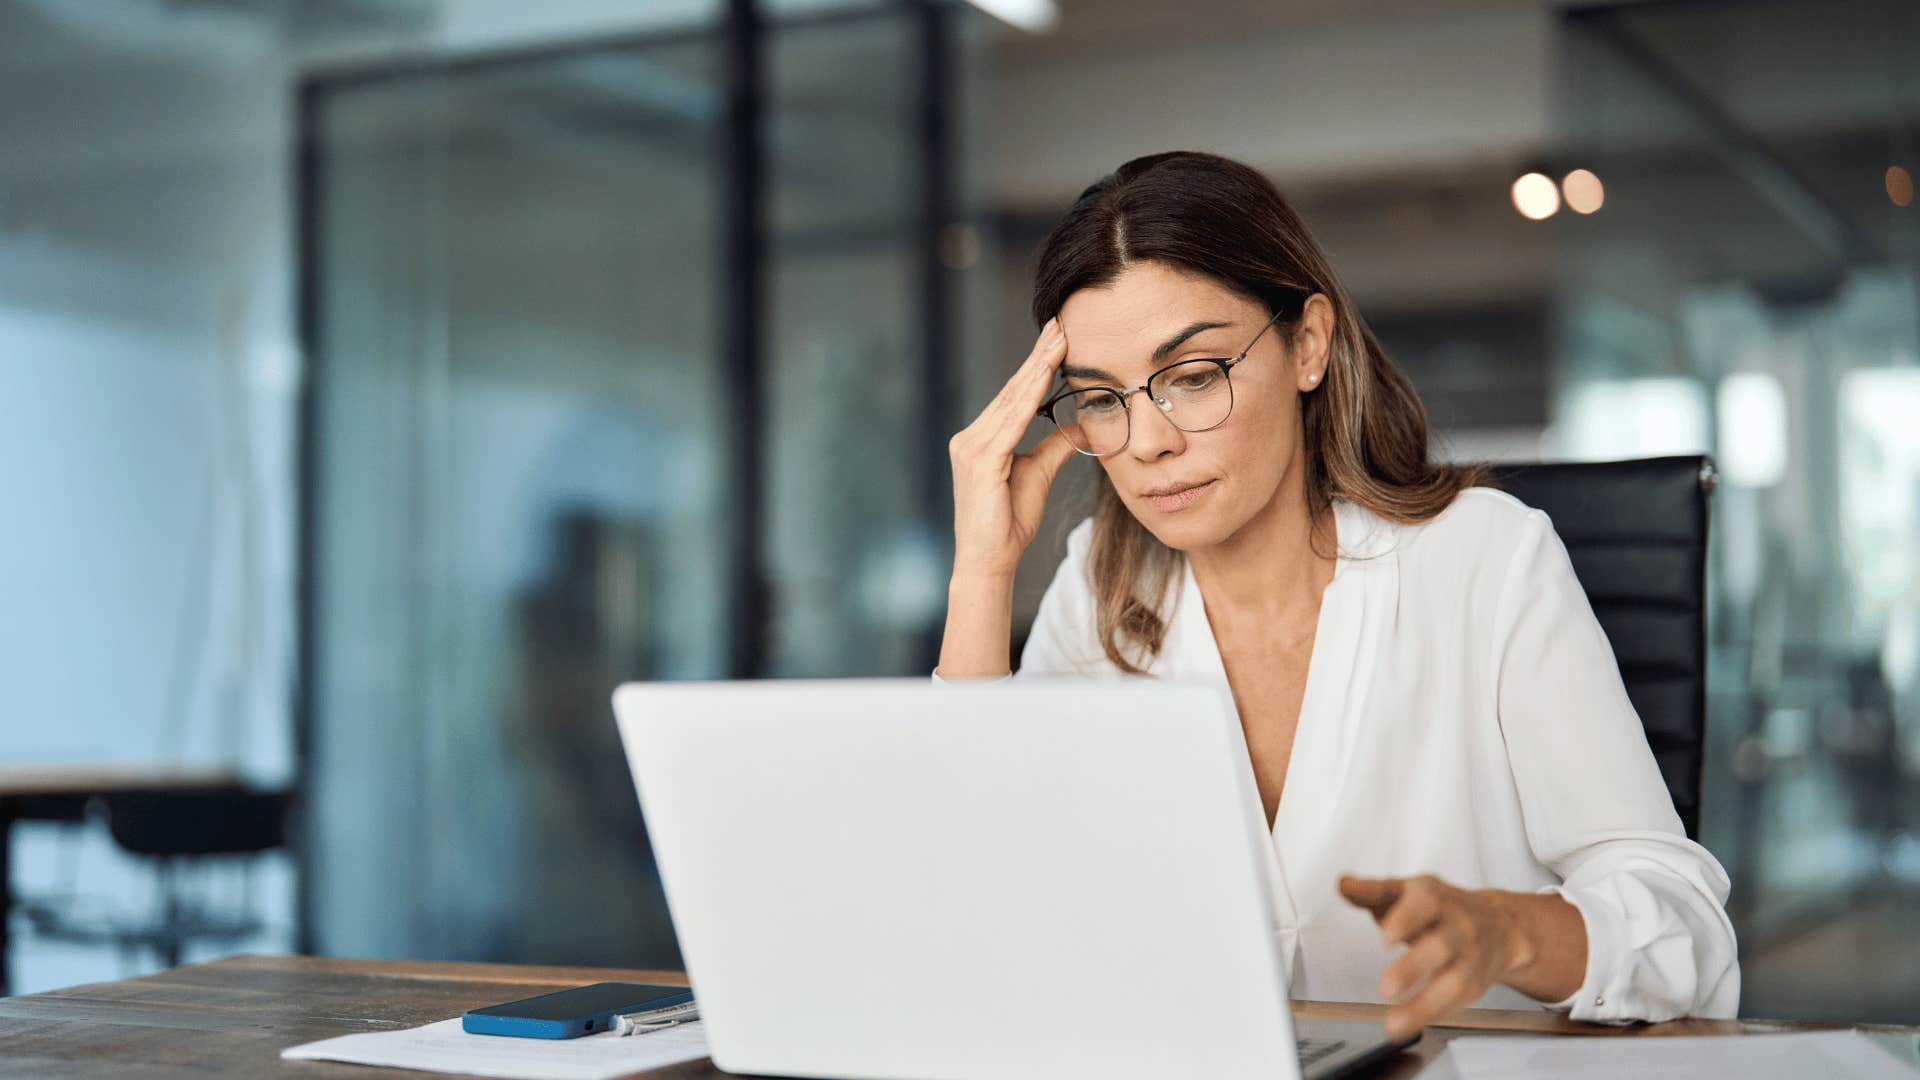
x=188 y=836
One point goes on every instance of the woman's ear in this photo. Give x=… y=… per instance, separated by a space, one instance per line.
x=1312 y=342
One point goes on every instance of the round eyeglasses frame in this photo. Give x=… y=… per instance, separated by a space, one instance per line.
x=1225 y=364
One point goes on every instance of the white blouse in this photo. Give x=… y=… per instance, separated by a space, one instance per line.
x=1463 y=717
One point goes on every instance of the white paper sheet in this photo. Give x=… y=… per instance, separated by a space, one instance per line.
x=1828 y=1055
x=443 y=1047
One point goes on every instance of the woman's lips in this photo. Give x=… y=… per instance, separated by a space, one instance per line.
x=1180 y=500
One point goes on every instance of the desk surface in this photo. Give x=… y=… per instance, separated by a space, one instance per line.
x=234 y=1016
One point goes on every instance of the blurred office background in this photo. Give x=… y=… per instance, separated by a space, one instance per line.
x=381 y=381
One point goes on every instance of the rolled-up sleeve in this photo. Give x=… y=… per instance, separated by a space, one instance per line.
x=1659 y=944
x=1063 y=626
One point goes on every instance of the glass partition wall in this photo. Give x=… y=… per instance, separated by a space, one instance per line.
x=534 y=445
x=1750 y=287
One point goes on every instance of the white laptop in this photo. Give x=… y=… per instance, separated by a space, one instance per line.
x=889 y=878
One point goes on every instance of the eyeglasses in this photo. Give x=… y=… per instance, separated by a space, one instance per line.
x=1194 y=395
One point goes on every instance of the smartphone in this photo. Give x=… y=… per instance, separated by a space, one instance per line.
x=569 y=1014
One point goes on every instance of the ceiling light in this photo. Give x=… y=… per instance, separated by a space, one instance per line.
x=1033 y=16
x=1583 y=191
x=1535 y=196
x=1899 y=186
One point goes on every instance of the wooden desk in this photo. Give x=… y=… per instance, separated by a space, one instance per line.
x=233 y=1017
x=59 y=792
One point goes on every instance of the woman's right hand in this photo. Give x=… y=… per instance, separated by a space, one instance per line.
x=999 y=495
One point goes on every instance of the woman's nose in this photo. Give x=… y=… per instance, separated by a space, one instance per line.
x=1153 y=434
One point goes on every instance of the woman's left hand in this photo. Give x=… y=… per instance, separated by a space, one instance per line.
x=1459 y=943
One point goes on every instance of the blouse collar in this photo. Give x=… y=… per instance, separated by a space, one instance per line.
x=1361 y=537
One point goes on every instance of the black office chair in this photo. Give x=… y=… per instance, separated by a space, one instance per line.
x=178 y=830
x=1637 y=534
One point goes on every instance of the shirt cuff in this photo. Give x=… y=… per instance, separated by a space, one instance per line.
x=954 y=682
x=1599 y=999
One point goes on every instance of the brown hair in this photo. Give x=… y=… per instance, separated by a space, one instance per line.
x=1364 y=427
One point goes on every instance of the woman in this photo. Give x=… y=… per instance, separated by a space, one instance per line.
x=1437 y=726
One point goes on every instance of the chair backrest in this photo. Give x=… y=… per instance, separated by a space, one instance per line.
x=216 y=821
x=1637 y=534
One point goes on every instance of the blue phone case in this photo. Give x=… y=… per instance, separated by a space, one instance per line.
x=486 y=1022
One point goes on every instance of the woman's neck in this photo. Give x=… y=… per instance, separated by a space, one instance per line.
x=1270 y=573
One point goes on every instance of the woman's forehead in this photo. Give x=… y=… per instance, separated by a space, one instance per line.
x=1130 y=347
x=1147 y=303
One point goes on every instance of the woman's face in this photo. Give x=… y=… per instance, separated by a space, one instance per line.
x=1154 y=315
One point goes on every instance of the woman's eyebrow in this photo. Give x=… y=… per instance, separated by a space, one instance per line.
x=1173 y=342
x=1070 y=371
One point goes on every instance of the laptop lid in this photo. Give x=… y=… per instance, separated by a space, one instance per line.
x=886 y=878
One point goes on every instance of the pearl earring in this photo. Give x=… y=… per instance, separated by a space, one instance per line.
x=1313 y=378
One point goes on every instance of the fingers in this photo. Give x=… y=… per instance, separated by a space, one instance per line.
x=1018 y=400
x=1374 y=894
x=1452 y=949
x=1051 y=334
x=1052 y=452
x=1006 y=418
x=1040 y=359
x=1416 y=909
x=1452 y=988
x=1033 y=473
x=1431 y=952
x=1034 y=364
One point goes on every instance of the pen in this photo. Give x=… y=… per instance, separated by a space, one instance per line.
x=638 y=1024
